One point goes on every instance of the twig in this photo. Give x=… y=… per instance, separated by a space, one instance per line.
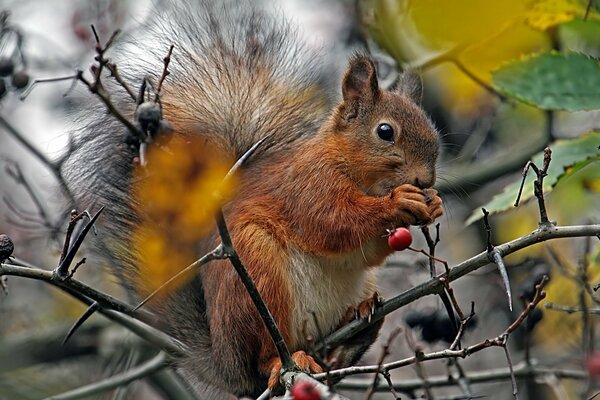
x=284 y=354
x=73 y=285
x=114 y=72
x=496 y=258
x=149 y=367
x=513 y=379
x=570 y=310
x=52 y=166
x=538 y=185
x=165 y=73
x=33 y=84
x=463 y=324
x=216 y=254
x=587 y=13
x=385 y=351
x=62 y=271
x=13 y=169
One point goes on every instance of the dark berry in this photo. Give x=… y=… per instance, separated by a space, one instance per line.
x=6 y=66
x=527 y=288
x=6 y=247
x=435 y=326
x=148 y=115
x=20 y=79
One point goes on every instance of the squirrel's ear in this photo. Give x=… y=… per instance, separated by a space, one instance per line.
x=360 y=80
x=409 y=83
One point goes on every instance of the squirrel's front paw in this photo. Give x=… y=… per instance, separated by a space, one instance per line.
x=305 y=362
x=434 y=204
x=415 y=206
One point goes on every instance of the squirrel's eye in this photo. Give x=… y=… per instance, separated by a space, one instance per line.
x=385 y=132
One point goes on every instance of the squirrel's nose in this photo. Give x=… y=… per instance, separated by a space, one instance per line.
x=424 y=182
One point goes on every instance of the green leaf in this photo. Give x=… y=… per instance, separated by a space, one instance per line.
x=552 y=81
x=568 y=157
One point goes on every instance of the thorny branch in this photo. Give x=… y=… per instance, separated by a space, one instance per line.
x=432 y=286
x=499 y=341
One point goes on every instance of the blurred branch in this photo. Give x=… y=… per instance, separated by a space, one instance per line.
x=148 y=368
x=54 y=167
x=139 y=322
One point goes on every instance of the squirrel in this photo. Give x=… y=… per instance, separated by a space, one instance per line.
x=312 y=206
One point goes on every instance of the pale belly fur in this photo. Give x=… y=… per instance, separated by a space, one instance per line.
x=326 y=287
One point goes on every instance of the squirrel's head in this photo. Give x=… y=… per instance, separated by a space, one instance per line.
x=385 y=134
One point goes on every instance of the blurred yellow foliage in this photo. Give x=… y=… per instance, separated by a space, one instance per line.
x=177 y=195
x=478 y=35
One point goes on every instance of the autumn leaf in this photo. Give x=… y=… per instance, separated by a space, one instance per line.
x=177 y=195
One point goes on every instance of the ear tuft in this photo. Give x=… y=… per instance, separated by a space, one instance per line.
x=410 y=84
x=360 y=80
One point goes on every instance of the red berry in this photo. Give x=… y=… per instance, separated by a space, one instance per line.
x=593 y=364
x=400 y=239
x=304 y=390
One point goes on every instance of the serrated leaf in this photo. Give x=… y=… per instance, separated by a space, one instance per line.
x=568 y=157
x=552 y=81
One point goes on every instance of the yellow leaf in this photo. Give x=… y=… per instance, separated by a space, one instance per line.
x=176 y=195
x=544 y=14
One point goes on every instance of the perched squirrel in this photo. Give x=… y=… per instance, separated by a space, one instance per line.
x=312 y=206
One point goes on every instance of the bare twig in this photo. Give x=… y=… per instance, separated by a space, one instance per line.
x=62 y=271
x=74 y=286
x=496 y=258
x=385 y=351
x=216 y=254
x=538 y=184
x=570 y=310
x=114 y=72
x=52 y=166
x=513 y=379
x=165 y=73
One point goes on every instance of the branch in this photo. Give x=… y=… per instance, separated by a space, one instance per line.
x=521 y=370
x=284 y=354
x=148 y=368
x=139 y=322
x=433 y=286
x=51 y=165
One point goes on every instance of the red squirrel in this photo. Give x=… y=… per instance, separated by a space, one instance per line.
x=310 y=215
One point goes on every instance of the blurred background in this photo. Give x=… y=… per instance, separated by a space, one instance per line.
x=502 y=81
